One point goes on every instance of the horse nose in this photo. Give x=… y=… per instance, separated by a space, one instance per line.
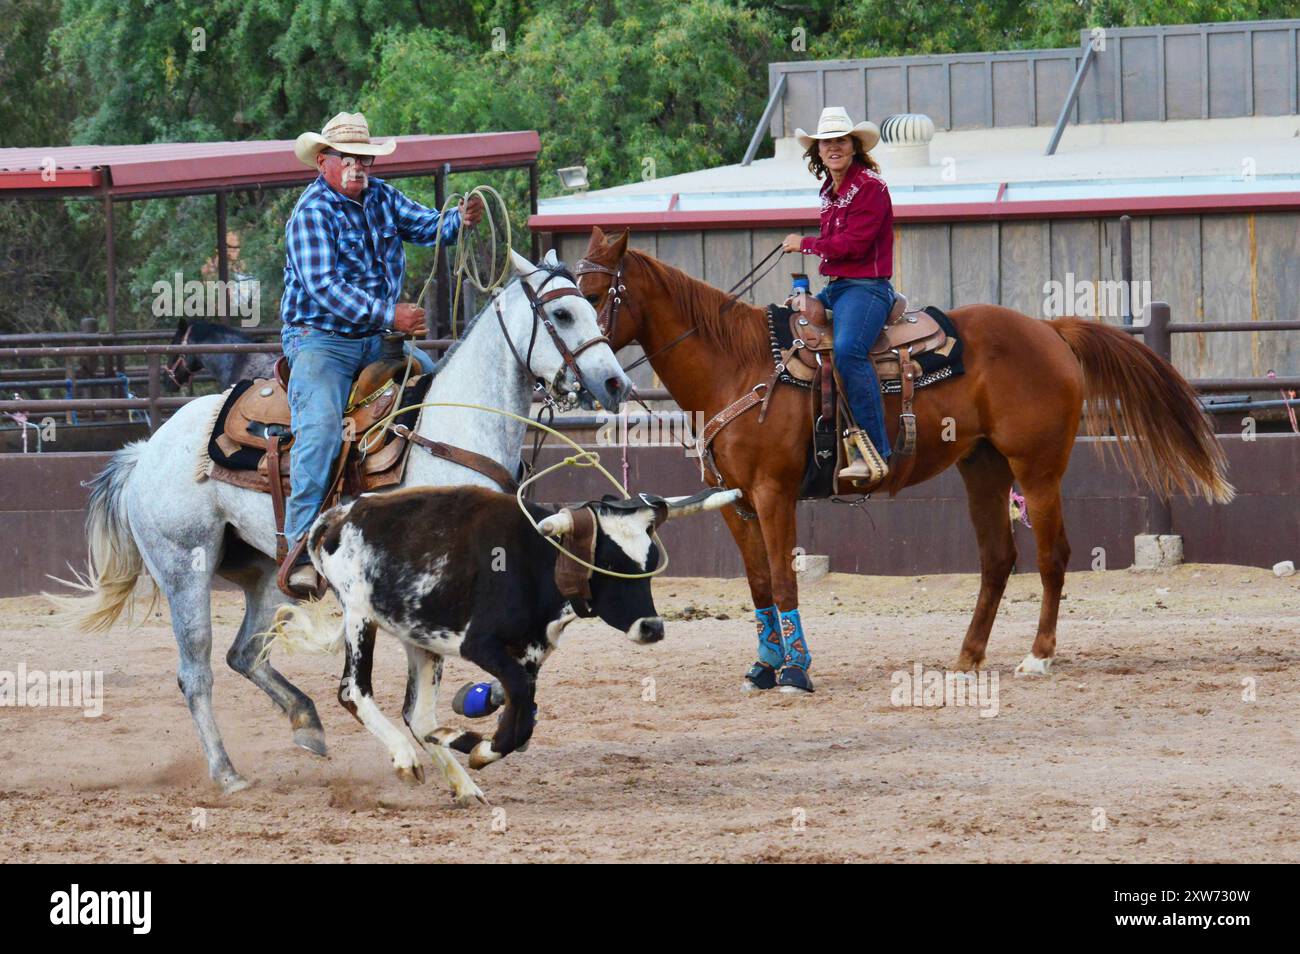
x=617 y=388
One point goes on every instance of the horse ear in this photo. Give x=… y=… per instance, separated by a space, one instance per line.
x=551 y=258
x=521 y=264
x=597 y=240
x=619 y=245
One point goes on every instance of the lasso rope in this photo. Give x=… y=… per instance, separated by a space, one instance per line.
x=465 y=266
x=583 y=458
x=467 y=269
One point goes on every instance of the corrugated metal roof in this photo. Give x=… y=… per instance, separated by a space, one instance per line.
x=189 y=168
x=1139 y=168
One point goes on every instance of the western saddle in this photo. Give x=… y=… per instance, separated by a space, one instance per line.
x=906 y=334
x=254 y=436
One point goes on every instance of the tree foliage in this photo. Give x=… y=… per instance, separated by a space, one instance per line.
x=630 y=88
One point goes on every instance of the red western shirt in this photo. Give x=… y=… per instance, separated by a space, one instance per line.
x=857 y=233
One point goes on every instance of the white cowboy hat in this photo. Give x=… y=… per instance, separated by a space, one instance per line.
x=346 y=132
x=835 y=122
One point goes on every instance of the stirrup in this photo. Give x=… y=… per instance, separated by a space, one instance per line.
x=868 y=467
x=286 y=570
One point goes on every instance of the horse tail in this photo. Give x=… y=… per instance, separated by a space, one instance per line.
x=303 y=627
x=114 y=564
x=1133 y=392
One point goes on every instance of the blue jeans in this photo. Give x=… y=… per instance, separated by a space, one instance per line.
x=861 y=307
x=324 y=366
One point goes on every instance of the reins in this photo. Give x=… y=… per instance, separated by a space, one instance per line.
x=617 y=289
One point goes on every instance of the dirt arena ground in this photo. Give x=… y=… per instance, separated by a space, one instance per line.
x=1145 y=731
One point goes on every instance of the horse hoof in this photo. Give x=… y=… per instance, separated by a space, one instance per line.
x=759 y=679
x=411 y=774
x=1031 y=665
x=234 y=784
x=964 y=664
x=795 y=680
x=313 y=740
x=470 y=797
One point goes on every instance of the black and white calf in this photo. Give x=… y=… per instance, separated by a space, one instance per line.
x=460 y=570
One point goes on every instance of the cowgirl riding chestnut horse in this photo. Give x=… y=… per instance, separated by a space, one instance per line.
x=1016 y=409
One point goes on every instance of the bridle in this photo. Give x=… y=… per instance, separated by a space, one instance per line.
x=537 y=300
x=607 y=319
x=181 y=364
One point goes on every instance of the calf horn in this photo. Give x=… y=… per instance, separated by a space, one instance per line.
x=556 y=525
x=712 y=499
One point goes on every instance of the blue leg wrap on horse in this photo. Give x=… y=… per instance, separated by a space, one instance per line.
x=793 y=643
x=770 y=652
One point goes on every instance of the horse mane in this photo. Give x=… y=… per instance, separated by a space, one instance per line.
x=558 y=270
x=739 y=330
x=214 y=332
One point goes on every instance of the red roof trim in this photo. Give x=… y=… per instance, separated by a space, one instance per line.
x=946 y=212
x=193 y=168
x=63 y=179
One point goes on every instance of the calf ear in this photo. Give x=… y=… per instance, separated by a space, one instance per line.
x=181 y=326
x=556 y=525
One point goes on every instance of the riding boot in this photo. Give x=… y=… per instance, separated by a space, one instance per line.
x=868 y=467
x=297 y=577
x=794 y=672
x=762 y=675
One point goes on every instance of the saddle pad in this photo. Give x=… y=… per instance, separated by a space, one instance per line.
x=932 y=362
x=242 y=458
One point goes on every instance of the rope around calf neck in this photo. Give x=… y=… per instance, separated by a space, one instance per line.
x=583 y=458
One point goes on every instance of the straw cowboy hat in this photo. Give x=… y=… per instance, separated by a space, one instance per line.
x=835 y=122
x=346 y=132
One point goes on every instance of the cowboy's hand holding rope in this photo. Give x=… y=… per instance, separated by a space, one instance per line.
x=409 y=319
x=472 y=210
x=791 y=242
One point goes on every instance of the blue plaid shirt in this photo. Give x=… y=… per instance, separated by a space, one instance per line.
x=345 y=261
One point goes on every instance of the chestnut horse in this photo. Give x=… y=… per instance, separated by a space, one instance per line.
x=1016 y=410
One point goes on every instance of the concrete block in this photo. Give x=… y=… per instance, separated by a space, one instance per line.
x=1153 y=551
x=811 y=568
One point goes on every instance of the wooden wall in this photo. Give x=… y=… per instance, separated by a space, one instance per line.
x=1190 y=71
x=1239 y=266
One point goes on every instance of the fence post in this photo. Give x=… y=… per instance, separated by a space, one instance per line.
x=153 y=362
x=91 y=366
x=1156 y=334
x=1156 y=331
x=1126 y=264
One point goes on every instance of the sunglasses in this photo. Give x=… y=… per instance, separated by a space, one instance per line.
x=365 y=161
